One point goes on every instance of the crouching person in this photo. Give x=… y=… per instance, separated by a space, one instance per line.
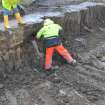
x=8 y=6
x=52 y=42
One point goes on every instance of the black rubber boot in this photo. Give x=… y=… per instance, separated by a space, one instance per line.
x=74 y=62
x=51 y=70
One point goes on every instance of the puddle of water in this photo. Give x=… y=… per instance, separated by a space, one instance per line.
x=32 y=18
x=81 y=6
x=38 y=17
x=13 y=24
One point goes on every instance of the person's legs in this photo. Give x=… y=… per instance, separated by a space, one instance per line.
x=64 y=53
x=18 y=17
x=48 y=57
x=6 y=21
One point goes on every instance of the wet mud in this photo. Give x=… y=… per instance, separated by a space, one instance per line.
x=24 y=82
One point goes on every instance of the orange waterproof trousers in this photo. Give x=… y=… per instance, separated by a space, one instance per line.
x=61 y=50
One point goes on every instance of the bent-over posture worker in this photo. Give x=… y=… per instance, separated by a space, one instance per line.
x=52 y=42
x=8 y=6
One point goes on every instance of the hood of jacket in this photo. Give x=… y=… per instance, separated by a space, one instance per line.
x=48 y=22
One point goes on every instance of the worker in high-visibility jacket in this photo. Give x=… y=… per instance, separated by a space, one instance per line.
x=52 y=42
x=8 y=6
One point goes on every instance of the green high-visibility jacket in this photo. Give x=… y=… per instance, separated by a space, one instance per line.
x=49 y=31
x=10 y=4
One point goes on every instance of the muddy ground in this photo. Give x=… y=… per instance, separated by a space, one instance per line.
x=83 y=84
x=80 y=85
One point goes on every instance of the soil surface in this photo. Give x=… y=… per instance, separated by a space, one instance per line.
x=83 y=84
x=79 y=85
